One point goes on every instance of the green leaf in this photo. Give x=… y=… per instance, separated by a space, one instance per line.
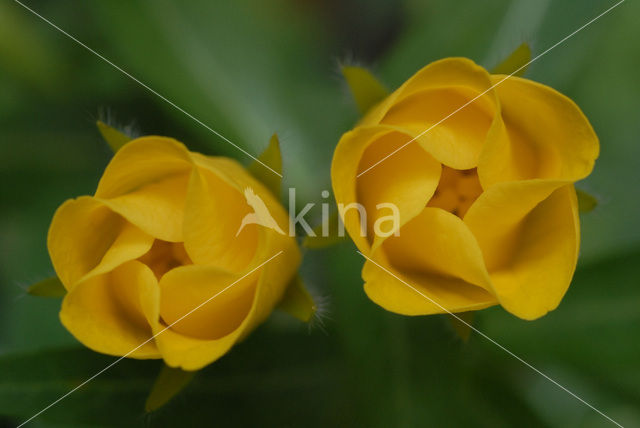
x=297 y=301
x=515 y=63
x=50 y=287
x=586 y=202
x=267 y=372
x=272 y=157
x=366 y=90
x=170 y=382
x=112 y=136
x=111 y=399
x=462 y=330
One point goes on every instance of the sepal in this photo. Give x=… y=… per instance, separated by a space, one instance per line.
x=297 y=301
x=365 y=89
x=168 y=384
x=272 y=156
x=516 y=63
x=114 y=138
x=50 y=287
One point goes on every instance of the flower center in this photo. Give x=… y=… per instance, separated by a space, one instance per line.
x=457 y=190
x=164 y=256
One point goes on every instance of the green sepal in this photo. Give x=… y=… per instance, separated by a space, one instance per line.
x=365 y=89
x=518 y=60
x=272 y=156
x=297 y=301
x=169 y=382
x=50 y=287
x=586 y=202
x=320 y=241
x=463 y=331
x=114 y=138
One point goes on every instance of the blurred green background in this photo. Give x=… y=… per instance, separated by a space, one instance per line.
x=249 y=68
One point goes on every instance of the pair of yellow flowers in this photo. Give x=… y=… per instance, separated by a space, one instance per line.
x=488 y=215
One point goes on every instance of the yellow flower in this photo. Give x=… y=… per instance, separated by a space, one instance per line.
x=158 y=239
x=488 y=210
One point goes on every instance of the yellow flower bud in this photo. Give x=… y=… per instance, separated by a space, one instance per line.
x=157 y=240
x=488 y=209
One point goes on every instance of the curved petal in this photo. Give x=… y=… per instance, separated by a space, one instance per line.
x=157 y=208
x=141 y=162
x=113 y=313
x=221 y=194
x=212 y=221
x=438 y=242
x=447 y=73
x=544 y=135
x=192 y=353
x=437 y=255
x=236 y=176
x=406 y=179
x=496 y=216
x=130 y=244
x=456 y=141
x=421 y=294
x=86 y=237
x=185 y=290
x=448 y=106
x=538 y=229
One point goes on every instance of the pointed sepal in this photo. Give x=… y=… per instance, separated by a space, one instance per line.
x=516 y=63
x=169 y=383
x=114 y=138
x=271 y=157
x=365 y=89
x=50 y=287
x=297 y=301
x=327 y=233
x=462 y=324
x=586 y=202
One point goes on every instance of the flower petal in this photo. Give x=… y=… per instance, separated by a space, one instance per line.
x=438 y=255
x=495 y=217
x=113 y=313
x=146 y=182
x=407 y=179
x=544 y=135
x=213 y=218
x=186 y=288
x=157 y=208
x=140 y=162
x=219 y=195
x=453 y=93
x=193 y=353
x=435 y=294
x=529 y=234
x=86 y=237
x=130 y=244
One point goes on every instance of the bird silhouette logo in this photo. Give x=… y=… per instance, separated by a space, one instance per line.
x=260 y=214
